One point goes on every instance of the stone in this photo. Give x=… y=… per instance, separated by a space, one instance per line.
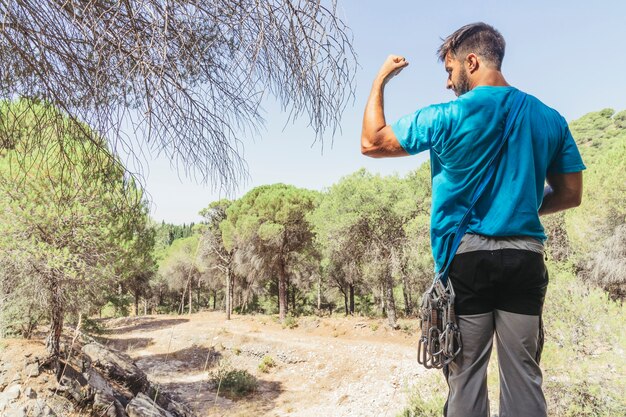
x=39 y=408
x=15 y=412
x=107 y=405
x=31 y=370
x=30 y=393
x=143 y=406
x=118 y=366
x=105 y=397
x=12 y=392
x=3 y=403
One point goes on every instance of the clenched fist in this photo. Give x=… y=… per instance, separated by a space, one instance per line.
x=392 y=67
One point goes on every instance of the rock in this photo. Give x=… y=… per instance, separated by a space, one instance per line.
x=73 y=384
x=30 y=393
x=105 y=400
x=32 y=370
x=143 y=406
x=15 y=412
x=39 y=408
x=107 y=405
x=13 y=392
x=3 y=403
x=118 y=366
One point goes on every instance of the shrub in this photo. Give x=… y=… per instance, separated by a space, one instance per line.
x=266 y=364
x=91 y=326
x=290 y=322
x=232 y=383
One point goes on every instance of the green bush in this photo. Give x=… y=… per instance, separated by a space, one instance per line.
x=91 y=326
x=232 y=383
x=266 y=364
x=424 y=407
x=290 y=322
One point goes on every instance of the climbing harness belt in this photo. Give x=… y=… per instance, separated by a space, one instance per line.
x=440 y=341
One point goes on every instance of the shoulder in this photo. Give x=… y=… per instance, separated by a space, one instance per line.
x=538 y=108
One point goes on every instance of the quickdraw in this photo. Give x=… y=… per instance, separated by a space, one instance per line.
x=440 y=341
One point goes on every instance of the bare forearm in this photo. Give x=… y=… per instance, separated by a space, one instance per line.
x=374 y=116
x=378 y=139
x=554 y=201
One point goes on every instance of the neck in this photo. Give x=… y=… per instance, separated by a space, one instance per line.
x=489 y=77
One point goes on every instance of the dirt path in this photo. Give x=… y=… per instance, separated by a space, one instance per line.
x=326 y=367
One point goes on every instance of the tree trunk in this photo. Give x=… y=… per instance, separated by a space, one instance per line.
x=120 y=292
x=190 y=295
x=408 y=308
x=136 y=312
x=319 y=292
x=352 y=299
x=282 y=291
x=214 y=299
x=228 y=299
x=390 y=302
x=181 y=310
x=53 y=341
x=345 y=300
x=293 y=299
x=145 y=306
x=232 y=292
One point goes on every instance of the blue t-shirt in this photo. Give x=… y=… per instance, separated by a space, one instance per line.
x=462 y=136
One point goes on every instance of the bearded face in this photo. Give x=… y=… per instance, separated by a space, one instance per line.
x=462 y=83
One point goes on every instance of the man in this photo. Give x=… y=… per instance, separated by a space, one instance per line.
x=498 y=271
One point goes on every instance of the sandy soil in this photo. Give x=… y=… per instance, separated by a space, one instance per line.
x=325 y=367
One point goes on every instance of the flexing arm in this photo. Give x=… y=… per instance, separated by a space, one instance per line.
x=564 y=191
x=377 y=138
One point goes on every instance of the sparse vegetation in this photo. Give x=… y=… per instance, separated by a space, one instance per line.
x=427 y=398
x=267 y=363
x=232 y=383
x=290 y=322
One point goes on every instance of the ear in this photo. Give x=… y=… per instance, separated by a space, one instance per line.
x=471 y=63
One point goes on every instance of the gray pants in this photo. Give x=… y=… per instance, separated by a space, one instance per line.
x=500 y=286
x=519 y=340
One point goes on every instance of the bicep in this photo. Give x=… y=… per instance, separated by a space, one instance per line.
x=385 y=144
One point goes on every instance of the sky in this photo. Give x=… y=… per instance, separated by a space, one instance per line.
x=569 y=54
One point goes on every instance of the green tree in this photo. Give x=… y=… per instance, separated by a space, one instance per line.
x=267 y=227
x=65 y=231
x=215 y=255
x=361 y=227
x=181 y=268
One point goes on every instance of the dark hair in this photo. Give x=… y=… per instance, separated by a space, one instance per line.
x=479 y=38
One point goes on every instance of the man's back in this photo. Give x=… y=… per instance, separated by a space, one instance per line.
x=463 y=136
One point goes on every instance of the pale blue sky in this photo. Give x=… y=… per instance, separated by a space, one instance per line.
x=570 y=54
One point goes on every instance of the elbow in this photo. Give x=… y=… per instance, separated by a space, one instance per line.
x=367 y=148
x=576 y=200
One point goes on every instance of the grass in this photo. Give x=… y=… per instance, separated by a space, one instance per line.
x=427 y=397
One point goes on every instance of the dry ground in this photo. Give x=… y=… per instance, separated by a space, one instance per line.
x=325 y=367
